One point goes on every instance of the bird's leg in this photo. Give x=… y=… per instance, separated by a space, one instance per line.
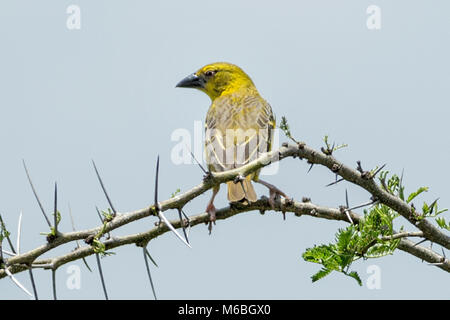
x=211 y=209
x=274 y=192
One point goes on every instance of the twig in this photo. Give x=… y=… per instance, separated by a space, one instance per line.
x=3 y=227
x=17 y=263
x=402 y=235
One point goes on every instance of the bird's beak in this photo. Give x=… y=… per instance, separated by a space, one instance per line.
x=192 y=81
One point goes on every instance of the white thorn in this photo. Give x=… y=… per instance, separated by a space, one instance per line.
x=169 y=225
x=18 y=283
x=348 y=216
x=8 y=253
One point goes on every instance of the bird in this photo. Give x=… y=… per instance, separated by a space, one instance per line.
x=238 y=128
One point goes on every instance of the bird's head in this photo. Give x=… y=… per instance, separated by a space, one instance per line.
x=218 y=78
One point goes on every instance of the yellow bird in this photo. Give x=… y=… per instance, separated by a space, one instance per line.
x=239 y=127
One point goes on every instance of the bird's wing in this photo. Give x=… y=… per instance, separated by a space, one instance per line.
x=238 y=129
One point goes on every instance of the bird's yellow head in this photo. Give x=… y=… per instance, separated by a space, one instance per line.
x=219 y=78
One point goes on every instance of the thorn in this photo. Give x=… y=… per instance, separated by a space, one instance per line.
x=361 y=205
x=99 y=214
x=188 y=222
x=359 y=168
x=346 y=199
x=12 y=254
x=54 y=284
x=169 y=225
x=335 y=182
x=432 y=205
x=378 y=170
x=158 y=208
x=151 y=259
x=310 y=167
x=145 y=252
x=33 y=284
x=76 y=241
x=103 y=188
x=400 y=184
x=182 y=225
x=101 y=276
x=156 y=181
x=17 y=283
x=347 y=210
x=19 y=229
x=55 y=211
x=348 y=216
x=421 y=241
x=35 y=194
x=195 y=159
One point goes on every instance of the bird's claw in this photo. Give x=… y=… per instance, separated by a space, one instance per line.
x=211 y=210
x=275 y=194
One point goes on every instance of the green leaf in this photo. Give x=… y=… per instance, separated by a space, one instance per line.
x=175 y=193
x=109 y=214
x=416 y=193
x=321 y=274
x=442 y=223
x=58 y=217
x=355 y=276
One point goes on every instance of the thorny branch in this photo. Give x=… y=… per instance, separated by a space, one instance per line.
x=364 y=179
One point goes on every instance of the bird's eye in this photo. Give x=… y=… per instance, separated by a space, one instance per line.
x=210 y=73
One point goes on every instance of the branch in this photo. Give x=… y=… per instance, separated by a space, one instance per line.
x=21 y=262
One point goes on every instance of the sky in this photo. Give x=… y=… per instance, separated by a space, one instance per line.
x=104 y=89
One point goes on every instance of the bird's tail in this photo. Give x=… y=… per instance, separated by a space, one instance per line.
x=241 y=191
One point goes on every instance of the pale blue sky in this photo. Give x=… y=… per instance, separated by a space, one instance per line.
x=107 y=92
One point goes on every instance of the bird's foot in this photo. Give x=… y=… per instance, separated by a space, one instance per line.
x=274 y=194
x=211 y=210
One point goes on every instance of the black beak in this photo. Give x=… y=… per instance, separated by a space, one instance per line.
x=191 y=81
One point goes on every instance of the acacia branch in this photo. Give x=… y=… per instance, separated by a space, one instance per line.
x=363 y=179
